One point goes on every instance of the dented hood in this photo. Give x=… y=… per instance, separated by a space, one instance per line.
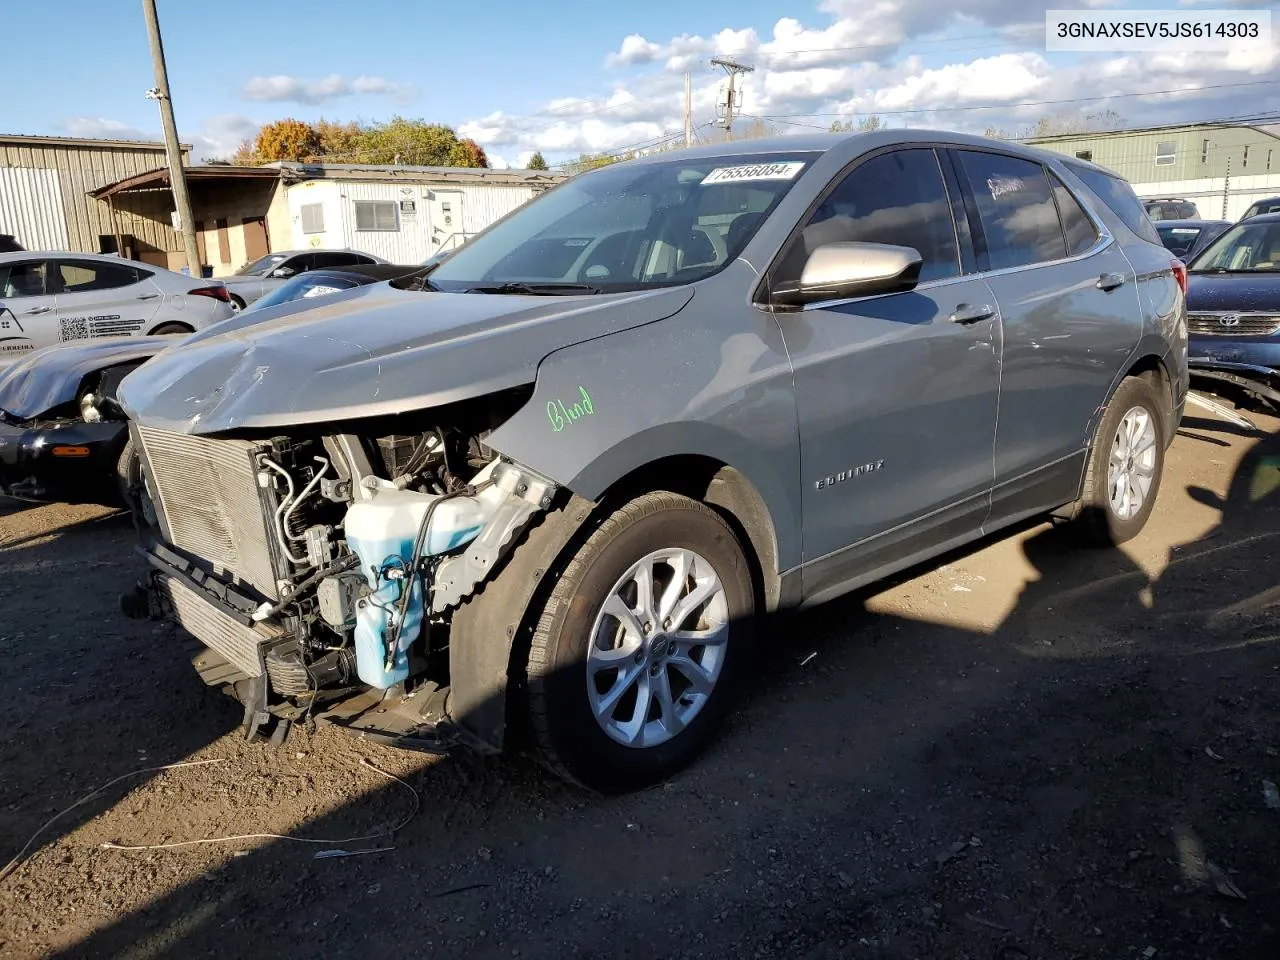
x=376 y=350
x=50 y=377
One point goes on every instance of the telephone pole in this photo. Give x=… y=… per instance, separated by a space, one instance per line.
x=733 y=69
x=688 y=109
x=177 y=176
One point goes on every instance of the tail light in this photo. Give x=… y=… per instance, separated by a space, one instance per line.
x=1180 y=274
x=218 y=292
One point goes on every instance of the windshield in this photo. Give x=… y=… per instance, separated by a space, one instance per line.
x=1245 y=248
x=627 y=227
x=260 y=267
x=303 y=287
x=1178 y=240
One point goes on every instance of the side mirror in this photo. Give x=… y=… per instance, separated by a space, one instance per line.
x=283 y=272
x=835 y=271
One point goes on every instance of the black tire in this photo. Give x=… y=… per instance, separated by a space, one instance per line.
x=1095 y=521
x=237 y=302
x=569 y=738
x=132 y=490
x=171 y=328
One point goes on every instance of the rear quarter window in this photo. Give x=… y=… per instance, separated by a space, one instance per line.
x=1118 y=195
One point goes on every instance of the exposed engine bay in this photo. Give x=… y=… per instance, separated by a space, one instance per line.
x=321 y=573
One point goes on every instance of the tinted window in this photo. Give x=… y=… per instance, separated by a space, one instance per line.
x=25 y=279
x=1119 y=196
x=1178 y=240
x=337 y=259
x=299 y=264
x=85 y=276
x=1016 y=208
x=1079 y=229
x=895 y=198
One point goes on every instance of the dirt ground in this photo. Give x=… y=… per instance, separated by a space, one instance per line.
x=1025 y=751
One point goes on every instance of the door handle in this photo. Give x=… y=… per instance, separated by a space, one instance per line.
x=148 y=296
x=1109 y=281
x=972 y=313
x=35 y=310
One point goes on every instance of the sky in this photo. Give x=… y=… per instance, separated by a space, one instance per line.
x=567 y=77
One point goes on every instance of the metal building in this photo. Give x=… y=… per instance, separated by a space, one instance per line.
x=44 y=195
x=1221 y=168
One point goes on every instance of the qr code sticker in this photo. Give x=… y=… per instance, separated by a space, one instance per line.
x=75 y=328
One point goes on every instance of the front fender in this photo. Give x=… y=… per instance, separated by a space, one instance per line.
x=713 y=382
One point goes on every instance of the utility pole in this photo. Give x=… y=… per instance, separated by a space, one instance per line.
x=1226 y=188
x=688 y=109
x=177 y=176
x=733 y=69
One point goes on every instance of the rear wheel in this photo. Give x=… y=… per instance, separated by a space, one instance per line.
x=635 y=656
x=237 y=303
x=171 y=328
x=1126 y=463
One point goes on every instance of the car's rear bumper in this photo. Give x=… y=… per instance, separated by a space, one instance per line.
x=1259 y=379
x=62 y=460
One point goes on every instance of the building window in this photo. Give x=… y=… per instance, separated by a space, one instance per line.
x=376 y=215
x=1246 y=157
x=312 y=217
x=1084 y=154
x=1166 y=153
x=1204 y=151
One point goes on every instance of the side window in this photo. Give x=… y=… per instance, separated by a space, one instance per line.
x=23 y=279
x=301 y=263
x=335 y=258
x=1079 y=229
x=85 y=276
x=1016 y=208
x=896 y=198
x=1119 y=196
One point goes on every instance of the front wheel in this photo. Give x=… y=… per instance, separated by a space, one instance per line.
x=635 y=656
x=1126 y=463
x=168 y=329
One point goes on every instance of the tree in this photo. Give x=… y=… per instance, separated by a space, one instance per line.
x=286 y=139
x=593 y=161
x=467 y=153
x=339 y=142
x=870 y=122
x=537 y=162
x=411 y=142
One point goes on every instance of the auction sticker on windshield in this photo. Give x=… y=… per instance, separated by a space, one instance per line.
x=754 y=171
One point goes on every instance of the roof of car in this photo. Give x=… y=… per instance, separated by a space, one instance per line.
x=1265 y=218
x=379 y=271
x=76 y=254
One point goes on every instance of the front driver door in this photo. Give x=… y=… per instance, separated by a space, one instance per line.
x=27 y=317
x=896 y=394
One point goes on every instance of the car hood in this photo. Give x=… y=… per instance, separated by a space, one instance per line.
x=1233 y=291
x=377 y=350
x=50 y=377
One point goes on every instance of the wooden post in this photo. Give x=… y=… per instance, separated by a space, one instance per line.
x=115 y=225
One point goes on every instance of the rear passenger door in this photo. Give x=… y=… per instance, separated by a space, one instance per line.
x=100 y=299
x=1070 y=318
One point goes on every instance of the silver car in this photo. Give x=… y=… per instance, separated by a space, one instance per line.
x=265 y=274
x=571 y=467
x=52 y=297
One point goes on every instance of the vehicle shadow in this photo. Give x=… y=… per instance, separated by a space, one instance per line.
x=891 y=786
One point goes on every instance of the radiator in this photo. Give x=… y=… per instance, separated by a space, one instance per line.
x=208 y=491
x=236 y=642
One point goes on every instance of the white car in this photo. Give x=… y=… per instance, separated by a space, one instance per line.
x=50 y=297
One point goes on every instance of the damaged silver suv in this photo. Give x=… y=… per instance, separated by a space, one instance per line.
x=559 y=476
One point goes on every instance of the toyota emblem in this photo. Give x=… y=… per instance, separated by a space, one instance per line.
x=1229 y=320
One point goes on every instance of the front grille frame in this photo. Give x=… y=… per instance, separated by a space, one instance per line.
x=243 y=647
x=1204 y=323
x=242 y=549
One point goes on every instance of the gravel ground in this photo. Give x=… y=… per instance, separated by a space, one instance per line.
x=1025 y=751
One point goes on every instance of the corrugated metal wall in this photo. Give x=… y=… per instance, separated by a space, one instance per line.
x=1197 y=152
x=31 y=208
x=84 y=168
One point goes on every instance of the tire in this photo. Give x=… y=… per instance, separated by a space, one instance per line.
x=1099 y=521
x=170 y=328
x=131 y=488
x=654 y=529
x=237 y=303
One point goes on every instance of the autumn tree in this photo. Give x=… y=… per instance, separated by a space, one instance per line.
x=286 y=139
x=339 y=142
x=537 y=162
x=467 y=153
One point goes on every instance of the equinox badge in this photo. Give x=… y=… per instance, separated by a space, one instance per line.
x=844 y=475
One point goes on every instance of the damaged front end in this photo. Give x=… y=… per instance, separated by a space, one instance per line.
x=322 y=572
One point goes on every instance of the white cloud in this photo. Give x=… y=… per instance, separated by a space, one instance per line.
x=282 y=88
x=217 y=138
x=908 y=60
x=102 y=128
